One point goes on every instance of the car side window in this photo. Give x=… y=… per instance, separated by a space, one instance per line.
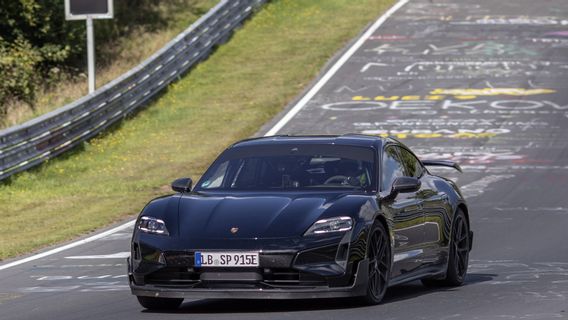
x=392 y=167
x=216 y=180
x=412 y=166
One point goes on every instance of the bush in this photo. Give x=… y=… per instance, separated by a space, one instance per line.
x=17 y=65
x=35 y=39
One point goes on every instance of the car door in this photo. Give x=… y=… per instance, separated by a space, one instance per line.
x=405 y=210
x=433 y=207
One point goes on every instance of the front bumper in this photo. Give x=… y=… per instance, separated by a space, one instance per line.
x=253 y=291
x=326 y=268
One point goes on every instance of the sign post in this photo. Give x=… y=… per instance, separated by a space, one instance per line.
x=89 y=10
x=91 y=54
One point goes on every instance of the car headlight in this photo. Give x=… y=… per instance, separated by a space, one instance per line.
x=152 y=225
x=337 y=224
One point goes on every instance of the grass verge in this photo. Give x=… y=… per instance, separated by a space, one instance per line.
x=113 y=57
x=228 y=97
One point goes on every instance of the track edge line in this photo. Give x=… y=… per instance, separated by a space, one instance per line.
x=331 y=72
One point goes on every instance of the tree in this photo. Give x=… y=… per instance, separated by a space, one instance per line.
x=35 y=39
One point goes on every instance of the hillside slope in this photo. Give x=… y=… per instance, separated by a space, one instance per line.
x=228 y=97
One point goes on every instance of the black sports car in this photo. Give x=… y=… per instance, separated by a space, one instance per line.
x=302 y=217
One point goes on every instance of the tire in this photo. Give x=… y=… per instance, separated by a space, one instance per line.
x=152 y=303
x=458 y=257
x=379 y=255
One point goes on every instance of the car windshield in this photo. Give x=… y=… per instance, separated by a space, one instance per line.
x=291 y=167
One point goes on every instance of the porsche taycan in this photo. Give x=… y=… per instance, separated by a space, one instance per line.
x=295 y=217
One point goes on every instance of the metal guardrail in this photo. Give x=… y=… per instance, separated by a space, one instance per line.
x=29 y=144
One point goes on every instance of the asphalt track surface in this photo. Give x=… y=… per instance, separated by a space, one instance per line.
x=482 y=82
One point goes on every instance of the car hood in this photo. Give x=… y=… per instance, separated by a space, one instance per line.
x=256 y=215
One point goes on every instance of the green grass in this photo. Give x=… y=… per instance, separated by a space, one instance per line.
x=228 y=97
x=114 y=56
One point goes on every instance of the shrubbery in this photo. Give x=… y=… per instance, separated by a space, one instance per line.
x=34 y=37
x=36 y=42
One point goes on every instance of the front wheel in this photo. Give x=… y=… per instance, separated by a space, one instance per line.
x=459 y=255
x=153 y=303
x=379 y=255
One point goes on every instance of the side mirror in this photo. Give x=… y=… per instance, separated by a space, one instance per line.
x=405 y=185
x=182 y=185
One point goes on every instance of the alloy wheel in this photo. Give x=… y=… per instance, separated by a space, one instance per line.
x=379 y=263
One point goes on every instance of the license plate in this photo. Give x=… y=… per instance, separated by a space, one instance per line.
x=226 y=259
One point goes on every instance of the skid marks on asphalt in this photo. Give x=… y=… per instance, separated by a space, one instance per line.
x=82 y=283
x=92 y=273
x=4 y=297
x=554 y=275
x=528 y=316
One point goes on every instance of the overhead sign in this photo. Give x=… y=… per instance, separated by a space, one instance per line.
x=83 y=9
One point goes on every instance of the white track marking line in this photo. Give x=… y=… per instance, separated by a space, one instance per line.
x=118 y=255
x=271 y=132
x=478 y=187
x=331 y=72
x=68 y=246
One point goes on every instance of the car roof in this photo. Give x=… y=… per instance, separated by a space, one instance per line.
x=359 y=140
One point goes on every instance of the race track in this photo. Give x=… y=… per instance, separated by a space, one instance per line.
x=481 y=82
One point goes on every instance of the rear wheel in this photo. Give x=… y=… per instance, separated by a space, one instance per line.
x=379 y=255
x=459 y=255
x=159 y=303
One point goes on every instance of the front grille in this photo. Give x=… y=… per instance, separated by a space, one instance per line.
x=275 y=272
x=173 y=276
x=181 y=259
x=231 y=278
x=292 y=278
x=319 y=255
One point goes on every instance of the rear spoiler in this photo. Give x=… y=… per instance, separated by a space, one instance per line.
x=442 y=163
